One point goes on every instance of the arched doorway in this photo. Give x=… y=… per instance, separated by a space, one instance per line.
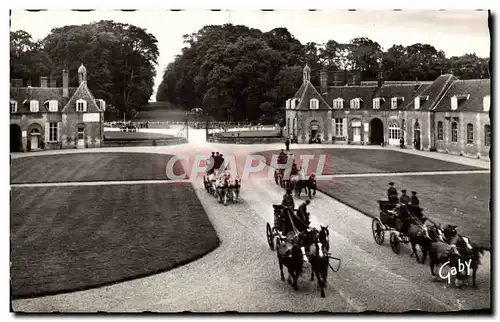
x=314 y=136
x=34 y=139
x=376 y=131
x=416 y=135
x=356 y=130
x=16 y=138
x=80 y=136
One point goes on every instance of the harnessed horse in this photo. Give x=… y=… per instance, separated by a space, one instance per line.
x=467 y=251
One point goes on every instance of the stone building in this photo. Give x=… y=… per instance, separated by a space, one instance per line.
x=422 y=113
x=51 y=117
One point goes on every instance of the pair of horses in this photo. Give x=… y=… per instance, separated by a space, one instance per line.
x=289 y=253
x=222 y=187
x=297 y=182
x=445 y=247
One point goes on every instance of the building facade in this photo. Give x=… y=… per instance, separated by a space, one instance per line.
x=50 y=117
x=446 y=115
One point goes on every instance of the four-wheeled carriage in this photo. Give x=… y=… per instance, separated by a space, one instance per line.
x=275 y=233
x=395 y=218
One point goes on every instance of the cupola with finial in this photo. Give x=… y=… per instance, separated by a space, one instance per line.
x=307 y=74
x=82 y=74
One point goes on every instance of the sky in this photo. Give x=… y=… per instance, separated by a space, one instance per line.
x=453 y=31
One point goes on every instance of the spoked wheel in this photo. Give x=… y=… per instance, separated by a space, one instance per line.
x=269 y=234
x=378 y=231
x=395 y=244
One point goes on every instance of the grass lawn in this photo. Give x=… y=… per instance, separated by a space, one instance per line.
x=347 y=161
x=70 y=238
x=449 y=199
x=91 y=167
x=118 y=135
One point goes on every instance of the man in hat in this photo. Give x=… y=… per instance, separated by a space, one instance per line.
x=392 y=193
x=414 y=199
x=303 y=214
x=287 y=144
x=404 y=199
x=211 y=163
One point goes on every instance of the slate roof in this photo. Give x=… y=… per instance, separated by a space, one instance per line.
x=434 y=92
x=404 y=91
x=82 y=92
x=41 y=94
x=365 y=93
x=306 y=92
x=476 y=88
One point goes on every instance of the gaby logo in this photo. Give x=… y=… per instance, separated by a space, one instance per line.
x=246 y=166
x=463 y=266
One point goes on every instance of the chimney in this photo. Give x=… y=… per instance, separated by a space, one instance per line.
x=380 y=79
x=323 y=79
x=65 y=78
x=53 y=82
x=17 y=82
x=44 y=81
x=354 y=79
x=338 y=79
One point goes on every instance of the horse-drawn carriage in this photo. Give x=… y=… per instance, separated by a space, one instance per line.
x=222 y=186
x=296 y=182
x=396 y=218
x=288 y=236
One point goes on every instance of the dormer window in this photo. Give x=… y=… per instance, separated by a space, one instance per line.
x=81 y=105
x=53 y=106
x=13 y=106
x=313 y=104
x=376 y=103
x=456 y=99
x=34 y=106
x=355 y=103
x=486 y=103
x=338 y=103
x=419 y=99
x=287 y=104
x=394 y=103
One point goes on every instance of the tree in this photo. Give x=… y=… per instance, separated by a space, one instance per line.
x=469 y=66
x=364 y=55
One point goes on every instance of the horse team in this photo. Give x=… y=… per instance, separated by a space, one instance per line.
x=294 y=178
x=218 y=182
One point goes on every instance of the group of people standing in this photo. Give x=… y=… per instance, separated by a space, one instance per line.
x=214 y=162
x=392 y=195
x=283 y=160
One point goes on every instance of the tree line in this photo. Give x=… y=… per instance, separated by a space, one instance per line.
x=238 y=73
x=120 y=60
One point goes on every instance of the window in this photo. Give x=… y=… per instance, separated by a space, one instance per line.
x=314 y=104
x=81 y=105
x=394 y=131
x=34 y=106
x=454 y=103
x=470 y=134
x=417 y=102
x=486 y=103
x=355 y=104
x=440 y=130
x=487 y=135
x=80 y=133
x=339 y=127
x=376 y=103
x=287 y=103
x=53 y=132
x=338 y=103
x=394 y=103
x=13 y=106
x=53 y=106
x=454 y=132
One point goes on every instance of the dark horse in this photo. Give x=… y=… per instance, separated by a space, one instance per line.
x=444 y=254
x=308 y=185
x=290 y=256
x=424 y=236
x=468 y=251
x=318 y=257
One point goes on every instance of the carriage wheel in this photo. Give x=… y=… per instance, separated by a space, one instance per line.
x=395 y=244
x=378 y=231
x=269 y=234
